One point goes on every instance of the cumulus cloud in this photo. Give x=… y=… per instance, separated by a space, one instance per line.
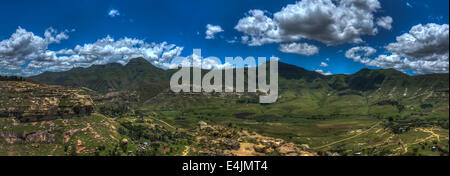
x=327 y=21
x=260 y=28
x=24 y=45
x=108 y=50
x=212 y=30
x=323 y=64
x=385 y=22
x=424 y=49
x=323 y=72
x=427 y=42
x=299 y=48
x=113 y=13
x=416 y=65
x=360 y=53
x=27 y=54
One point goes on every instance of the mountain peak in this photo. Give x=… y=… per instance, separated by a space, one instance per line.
x=138 y=60
x=386 y=72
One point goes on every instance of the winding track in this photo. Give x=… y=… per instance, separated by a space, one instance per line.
x=351 y=137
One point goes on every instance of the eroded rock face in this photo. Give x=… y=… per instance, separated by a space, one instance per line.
x=225 y=141
x=35 y=102
x=40 y=136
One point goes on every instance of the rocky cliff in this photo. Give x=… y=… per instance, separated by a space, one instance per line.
x=28 y=101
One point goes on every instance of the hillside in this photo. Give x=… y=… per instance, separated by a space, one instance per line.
x=375 y=112
x=138 y=74
x=367 y=92
x=28 y=101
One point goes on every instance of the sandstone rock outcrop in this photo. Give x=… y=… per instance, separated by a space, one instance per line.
x=28 y=101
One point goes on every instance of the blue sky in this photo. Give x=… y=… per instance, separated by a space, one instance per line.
x=183 y=23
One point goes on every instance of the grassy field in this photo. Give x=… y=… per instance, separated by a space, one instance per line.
x=328 y=125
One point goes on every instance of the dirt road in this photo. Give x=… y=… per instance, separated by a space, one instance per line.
x=342 y=140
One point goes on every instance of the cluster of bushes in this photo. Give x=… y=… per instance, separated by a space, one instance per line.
x=114 y=109
x=434 y=146
x=156 y=137
x=399 y=106
x=387 y=102
x=426 y=106
x=403 y=125
x=11 y=78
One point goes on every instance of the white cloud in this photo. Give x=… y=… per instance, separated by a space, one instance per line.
x=323 y=64
x=234 y=40
x=424 y=49
x=260 y=28
x=212 y=30
x=427 y=42
x=323 y=72
x=113 y=13
x=360 y=53
x=416 y=65
x=327 y=21
x=24 y=45
x=244 y=39
x=52 y=35
x=385 y=22
x=409 y=5
x=299 y=48
x=27 y=54
x=108 y=50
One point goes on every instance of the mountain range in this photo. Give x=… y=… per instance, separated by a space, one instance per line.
x=331 y=93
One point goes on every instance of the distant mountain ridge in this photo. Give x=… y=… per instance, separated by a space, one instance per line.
x=141 y=76
x=138 y=74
